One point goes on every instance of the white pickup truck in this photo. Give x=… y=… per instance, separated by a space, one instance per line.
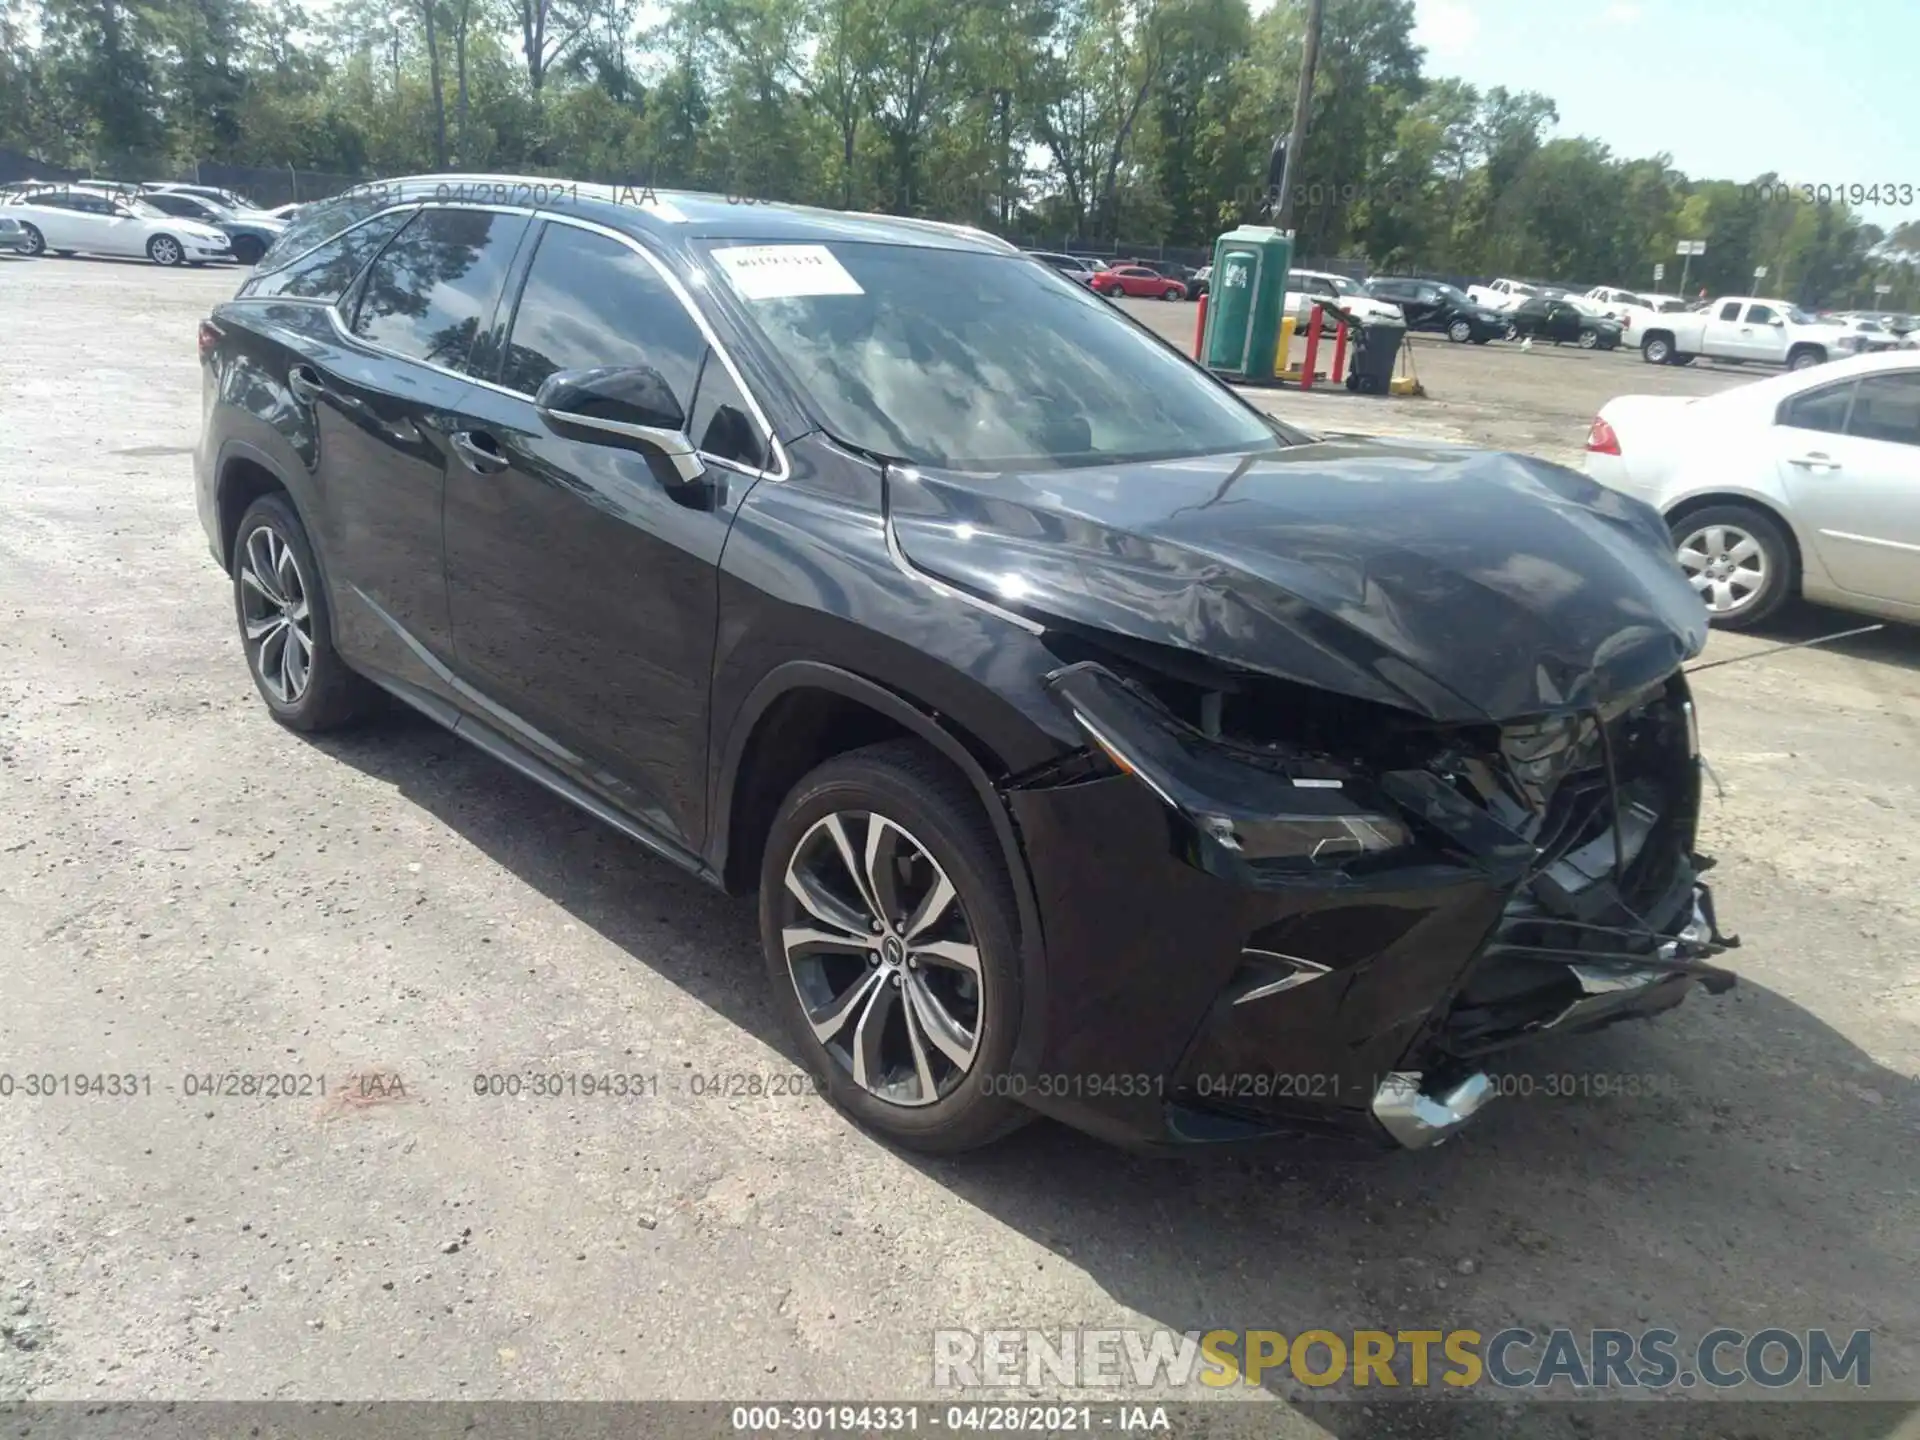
x=1742 y=328
x=1502 y=294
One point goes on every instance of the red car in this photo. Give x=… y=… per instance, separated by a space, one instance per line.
x=1139 y=281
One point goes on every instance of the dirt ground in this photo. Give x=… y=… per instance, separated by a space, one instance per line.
x=187 y=889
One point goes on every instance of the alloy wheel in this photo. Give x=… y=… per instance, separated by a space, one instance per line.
x=1460 y=332
x=36 y=242
x=1726 y=565
x=1589 y=339
x=882 y=957
x=276 y=618
x=165 y=250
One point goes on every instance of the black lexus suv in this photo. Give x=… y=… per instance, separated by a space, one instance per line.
x=1095 y=744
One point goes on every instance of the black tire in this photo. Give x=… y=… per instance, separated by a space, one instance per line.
x=1783 y=578
x=1460 y=331
x=167 y=251
x=1589 y=339
x=248 y=250
x=916 y=790
x=36 y=242
x=1657 y=350
x=333 y=695
x=1174 y=292
x=1512 y=332
x=1805 y=357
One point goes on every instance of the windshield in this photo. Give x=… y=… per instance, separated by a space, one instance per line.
x=1801 y=317
x=1345 y=286
x=960 y=359
x=142 y=208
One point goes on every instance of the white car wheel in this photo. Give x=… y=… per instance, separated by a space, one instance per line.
x=165 y=250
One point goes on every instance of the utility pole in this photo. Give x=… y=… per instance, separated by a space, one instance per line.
x=1302 y=105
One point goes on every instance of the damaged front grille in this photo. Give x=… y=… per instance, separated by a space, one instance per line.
x=1610 y=904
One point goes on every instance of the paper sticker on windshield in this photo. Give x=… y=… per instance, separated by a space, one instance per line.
x=786 y=272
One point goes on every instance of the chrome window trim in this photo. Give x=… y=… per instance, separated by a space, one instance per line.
x=687 y=303
x=680 y=293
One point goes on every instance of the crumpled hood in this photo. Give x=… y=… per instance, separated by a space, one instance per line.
x=1460 y=584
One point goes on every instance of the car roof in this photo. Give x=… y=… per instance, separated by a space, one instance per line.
x=674 y=216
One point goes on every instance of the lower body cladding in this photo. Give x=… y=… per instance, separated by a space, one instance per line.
x=1186 y=1005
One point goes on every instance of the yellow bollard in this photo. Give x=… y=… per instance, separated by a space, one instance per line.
x=1283 y=353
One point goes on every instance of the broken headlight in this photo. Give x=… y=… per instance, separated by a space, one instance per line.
x=1297 y=812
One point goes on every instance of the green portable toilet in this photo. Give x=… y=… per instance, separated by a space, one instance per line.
x=1248 y=301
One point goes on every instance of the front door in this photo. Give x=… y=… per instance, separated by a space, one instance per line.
x=583 y=577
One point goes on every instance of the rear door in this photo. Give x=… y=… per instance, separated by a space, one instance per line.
x=387 y=397
x=583 y=577
x=1850 y=460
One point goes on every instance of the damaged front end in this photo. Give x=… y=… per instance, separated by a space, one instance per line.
x=1366 y=903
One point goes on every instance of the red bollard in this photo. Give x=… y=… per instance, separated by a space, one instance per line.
x=1200 y=331
x=1337 y=373
x=1313 y=349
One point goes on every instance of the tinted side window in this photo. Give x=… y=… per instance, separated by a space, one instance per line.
x=1887 y=407
x=722 y=424
x=430 y=290
x=1730 y=311
x=1824 y=410
x=591 y=301
x=1759 y=314
x=326 y=273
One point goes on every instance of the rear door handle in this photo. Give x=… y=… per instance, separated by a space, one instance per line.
x=1814 y=460
x=306 y=386
x=479 y=452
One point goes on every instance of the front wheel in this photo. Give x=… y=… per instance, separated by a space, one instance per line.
x=1738 y=560
x=1657 y=350
x=887 y=920
x=36 y=242
x=286 y=628
x=1806 y=358
x=1459 y=332
x=1512 y=332
x=165 y=250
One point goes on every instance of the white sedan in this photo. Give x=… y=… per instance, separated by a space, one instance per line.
x=1805 y=484
x=68 y=219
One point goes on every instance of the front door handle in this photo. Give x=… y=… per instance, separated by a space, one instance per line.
x=1814 y=460
x=479 y=452
x=307 y=387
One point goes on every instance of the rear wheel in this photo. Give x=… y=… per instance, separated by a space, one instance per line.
x=887 y=920
x=1657 y=350
x=1589 y=339
x=285 y=625
x=1738 y=560
x=1805 y=357
x=36 y=242
x=165 y=250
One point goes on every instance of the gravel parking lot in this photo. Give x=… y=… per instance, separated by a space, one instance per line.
x=187 y=889
x=1538 y=401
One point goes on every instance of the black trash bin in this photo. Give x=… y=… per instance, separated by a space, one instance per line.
x=1376 y=344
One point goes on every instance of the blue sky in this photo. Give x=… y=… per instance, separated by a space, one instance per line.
x=1815 y=90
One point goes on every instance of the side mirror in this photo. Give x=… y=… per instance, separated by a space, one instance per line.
x=621 y=405
x=1776 y=320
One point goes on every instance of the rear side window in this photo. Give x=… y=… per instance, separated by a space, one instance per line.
x=429 y=292
x=321 y=219
x=590 y=301
x=1824 y=410
x=1887 y=407
x=325 y=273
